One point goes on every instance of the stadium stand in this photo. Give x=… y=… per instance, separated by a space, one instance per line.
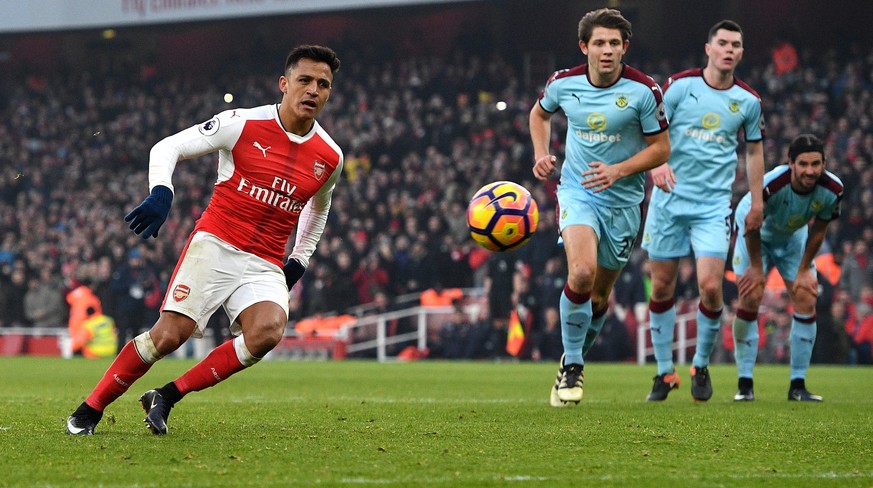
x=420 y=132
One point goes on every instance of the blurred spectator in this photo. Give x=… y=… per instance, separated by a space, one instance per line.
x=341 y=292
x=543 y=245
x=417 y=271
x=44 y=301
x=863 y=338
x=315 y=285
x=613 y=343
x=499 y=287
x=546 y=342
x=843 y=321
x=631 y=286
x=857 y=268
x=452 y=264
x=14 y=315
x=784 y=57
x=526 y=308
x=83 y=303
x=97 y=336
x=488 y=341
x=456 y=339
x=550 y=282
x=686 y=282
x=441 y=297
x=137 y=294
x=369 y=277
x=778 y=343
x=415 y=154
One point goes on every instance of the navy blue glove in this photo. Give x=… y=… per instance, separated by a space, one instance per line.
x=293 y=272
x=150 y=215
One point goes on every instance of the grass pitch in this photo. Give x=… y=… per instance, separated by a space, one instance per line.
x=436 y=424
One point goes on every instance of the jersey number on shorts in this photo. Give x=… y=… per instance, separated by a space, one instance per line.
x=626 y=247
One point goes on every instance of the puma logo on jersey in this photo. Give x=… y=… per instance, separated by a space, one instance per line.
x=692 y=95
x=262 y=148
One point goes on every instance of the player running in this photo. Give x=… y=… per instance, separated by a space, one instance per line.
x=617 y=130
x=277 y=168
x=793 y=193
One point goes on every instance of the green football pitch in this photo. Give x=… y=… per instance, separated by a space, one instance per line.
x=429 y=423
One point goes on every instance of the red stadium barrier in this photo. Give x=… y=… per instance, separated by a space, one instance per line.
x=46 y=341
x=309 y=348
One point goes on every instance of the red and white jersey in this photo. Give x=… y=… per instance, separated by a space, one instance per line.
x=269 y=180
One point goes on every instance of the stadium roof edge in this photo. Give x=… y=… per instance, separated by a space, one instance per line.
x=53 y=15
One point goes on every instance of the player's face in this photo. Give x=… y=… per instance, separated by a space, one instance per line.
x=306 y=88
x=806 y=170
x=725 y=50
x=604 y=49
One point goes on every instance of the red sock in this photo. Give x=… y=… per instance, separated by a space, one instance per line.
x=217 y=366
x=127 y=368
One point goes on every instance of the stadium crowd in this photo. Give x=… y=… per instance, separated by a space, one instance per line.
x=420 y=135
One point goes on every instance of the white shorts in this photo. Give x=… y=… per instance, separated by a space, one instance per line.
x=212 y=273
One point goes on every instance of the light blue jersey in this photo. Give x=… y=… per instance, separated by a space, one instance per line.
x=705 y=124
x=787 y=215
x=607 y=125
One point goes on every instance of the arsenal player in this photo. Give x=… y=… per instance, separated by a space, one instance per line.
x=277 y=168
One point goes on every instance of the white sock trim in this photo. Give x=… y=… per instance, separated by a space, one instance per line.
x=146 y=349
x=242 y=352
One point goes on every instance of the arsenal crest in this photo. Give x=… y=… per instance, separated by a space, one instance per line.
x=181 y=292
x=318 y=168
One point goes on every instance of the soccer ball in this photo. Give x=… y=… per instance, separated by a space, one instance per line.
x=502 y=216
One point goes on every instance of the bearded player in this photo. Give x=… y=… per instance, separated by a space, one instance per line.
x=794 y=194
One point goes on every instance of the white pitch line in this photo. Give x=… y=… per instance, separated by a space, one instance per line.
x=452 y=401
x=577 y=478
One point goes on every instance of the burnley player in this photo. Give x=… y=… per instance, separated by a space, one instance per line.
x=794 y=194
x=690 y=208
x=277 y=168
x=617 y=130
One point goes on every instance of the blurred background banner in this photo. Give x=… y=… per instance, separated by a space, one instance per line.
x=38 y=15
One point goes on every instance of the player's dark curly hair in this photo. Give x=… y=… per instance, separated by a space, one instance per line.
x=805 y=143
x=604 y=17
x=316 y=53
